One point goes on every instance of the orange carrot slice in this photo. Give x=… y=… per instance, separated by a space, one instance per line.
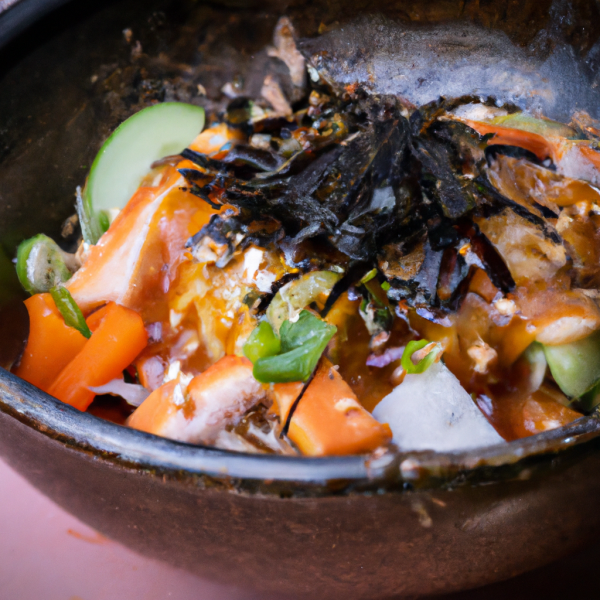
x=329 y=420
x=94 y=320
x=114 y=345
x=51 y=345
x=533 y=142
x=158 y=408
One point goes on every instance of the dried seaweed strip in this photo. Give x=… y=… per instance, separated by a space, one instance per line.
x=491 y=260
x=453 y=274
x=421 y=288
x=206 y=162
x=356 y=271
x=439 y=177
x=260 y=160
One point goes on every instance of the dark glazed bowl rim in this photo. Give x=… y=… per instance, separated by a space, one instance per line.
x=142 y=452
x=390 y=471
x=17 y=15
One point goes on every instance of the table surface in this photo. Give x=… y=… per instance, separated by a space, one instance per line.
x=46 y=554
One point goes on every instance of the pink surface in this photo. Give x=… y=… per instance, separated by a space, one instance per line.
x=46 y=554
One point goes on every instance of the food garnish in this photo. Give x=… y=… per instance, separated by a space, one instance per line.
x=41 y=264
x=328 y=273
x=151 y=134
x=69 y=310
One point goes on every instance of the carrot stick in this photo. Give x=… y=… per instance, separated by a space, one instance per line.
x=51 y=345
x=118 y=339
x=94 y=320
x=329 y=419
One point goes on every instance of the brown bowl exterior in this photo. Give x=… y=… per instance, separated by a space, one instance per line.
x=411 y=526
x=353 y=527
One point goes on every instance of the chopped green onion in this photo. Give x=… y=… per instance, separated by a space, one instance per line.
x=375 y=311
x=262 y=342
x=385 y=286
x=91 y=228
x=69 y=310
x=377 y=319
x=372 y=273
x=302 y=344
x=425 y=362
x=40 y=264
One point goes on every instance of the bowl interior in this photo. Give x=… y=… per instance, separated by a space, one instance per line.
x=63 y=93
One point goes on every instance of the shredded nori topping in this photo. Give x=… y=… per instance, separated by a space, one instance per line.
x=344 y=179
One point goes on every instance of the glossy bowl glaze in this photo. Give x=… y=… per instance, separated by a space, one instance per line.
x=350 y=527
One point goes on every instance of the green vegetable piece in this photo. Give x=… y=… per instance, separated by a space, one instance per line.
x=126 y=156
x=372 y=273
x=303 y=343
x=575 y=366
x=375 y=312
x=590 y=400
x=297 y=294
x=103 y=220
x=262 y=343
x=91 y=224
x=536 y=358
x=40 y=264
x=424 y=363
x=69 y=310
x=303 y=331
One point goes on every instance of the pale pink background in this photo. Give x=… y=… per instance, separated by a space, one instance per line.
x=46 y=554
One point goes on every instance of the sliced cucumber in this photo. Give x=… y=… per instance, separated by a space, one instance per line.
x=590 y=400
x=536 y=358
x=41 y=264
x=125 y=158
x=575 y=366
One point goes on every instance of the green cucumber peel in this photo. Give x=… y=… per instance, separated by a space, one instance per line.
x=157 y=131
x=590 y=400
x=575 y=366
x=41 y=264
x=414 y=369
x=91 y=223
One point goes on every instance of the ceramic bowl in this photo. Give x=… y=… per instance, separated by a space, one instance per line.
x=346 y=527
